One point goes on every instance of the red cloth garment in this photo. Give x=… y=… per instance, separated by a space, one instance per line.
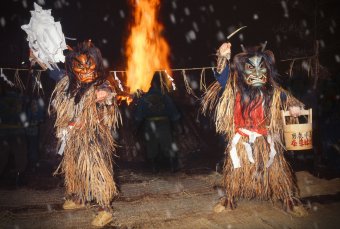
x=253 y=121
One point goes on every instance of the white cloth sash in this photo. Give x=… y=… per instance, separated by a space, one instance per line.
x=64 y=134
x=252 y=137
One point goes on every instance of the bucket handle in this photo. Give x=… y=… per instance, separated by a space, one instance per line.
x=303 y=112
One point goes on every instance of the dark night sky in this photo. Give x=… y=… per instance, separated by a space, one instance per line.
x=193 y=28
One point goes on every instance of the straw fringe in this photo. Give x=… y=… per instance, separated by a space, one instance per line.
x=210 y=99
x=87 y=163
x=253 y=180
x=221 y=107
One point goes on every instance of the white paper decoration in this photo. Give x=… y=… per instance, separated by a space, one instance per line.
x=45 y=37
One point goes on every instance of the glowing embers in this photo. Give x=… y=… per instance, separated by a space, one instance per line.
x=146 y=49
x=127 y=98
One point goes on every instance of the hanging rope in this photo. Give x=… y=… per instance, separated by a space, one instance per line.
x=187 y=85
x=4 y=77
x=174 y=69
x=121 y=71
x=18 y=81
x=22 y=69
x=203 y=84
x=37 y=83
x=313 y=64
x=38 y=86
x=171 y=80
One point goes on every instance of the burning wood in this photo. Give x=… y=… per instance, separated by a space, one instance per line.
x=124 y=97
x=146 y=49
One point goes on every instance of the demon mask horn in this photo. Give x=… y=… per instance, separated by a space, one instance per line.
x=243 y=48
x=263 y=46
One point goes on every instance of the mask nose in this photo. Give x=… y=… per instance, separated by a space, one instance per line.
x=257 y=72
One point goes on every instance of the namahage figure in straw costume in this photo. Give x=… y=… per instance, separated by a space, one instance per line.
x=247 y=105
x=86 y=112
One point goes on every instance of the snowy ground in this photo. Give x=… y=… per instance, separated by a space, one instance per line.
x=165 y=200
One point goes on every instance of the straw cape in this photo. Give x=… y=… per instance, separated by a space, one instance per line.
x=253 y=180
x=85 y=129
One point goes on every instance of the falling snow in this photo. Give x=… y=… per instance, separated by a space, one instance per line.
x=337 y=58
x=174 y=146
x=195 y=26
x=58 y=4
x=147 y=136
x=23 y=117
x=194 y=84
x=106 y=18
x=285 y=8
x=138 y=147
x=186 y=11
x=174 y=4
x=105 y=63
x=24 y=3
x=278 y=38
x=304 y=23
x=122 y=13
x=41 y=103
x=220 y=192
x=190 y=36
x=41 y=2
x=322 y=43
x=305 y=65
x=173 y=18
x=153 y=126
x=322 y=14
x=127 y=113
x=211 y=8
x=241 y=37
x=333 y=23
x=218 y=23
x=2 y=22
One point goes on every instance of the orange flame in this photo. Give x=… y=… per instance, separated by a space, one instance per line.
x=146 y=49
x=128 y=99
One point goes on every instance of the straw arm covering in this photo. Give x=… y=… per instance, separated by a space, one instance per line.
x=88 y=155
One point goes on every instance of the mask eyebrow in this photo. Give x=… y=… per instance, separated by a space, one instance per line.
x=255 y=60
x=88 y=59
x=79 y=60
x=250 y=62
x=261 y=62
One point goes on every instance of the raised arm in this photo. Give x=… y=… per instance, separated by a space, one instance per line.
x=222 y=69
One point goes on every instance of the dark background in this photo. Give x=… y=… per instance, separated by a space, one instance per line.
x=290 y=27
x=195 y=29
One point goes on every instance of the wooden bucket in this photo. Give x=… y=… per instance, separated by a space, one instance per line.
x=298 y=136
